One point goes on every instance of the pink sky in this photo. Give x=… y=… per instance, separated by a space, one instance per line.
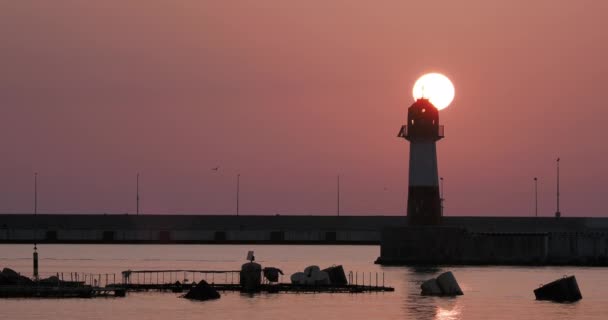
x=291 y=93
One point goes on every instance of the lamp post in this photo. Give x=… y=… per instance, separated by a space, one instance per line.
x=137 y=194
x=238 y=187
x=557 y=213
x=35 y=193
x=338 y=196
x=535 y=196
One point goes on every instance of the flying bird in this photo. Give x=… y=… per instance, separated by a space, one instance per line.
x=215 y=169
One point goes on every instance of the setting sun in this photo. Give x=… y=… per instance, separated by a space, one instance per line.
x=435 y=87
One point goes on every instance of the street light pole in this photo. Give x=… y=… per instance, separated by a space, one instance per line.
x=137 y=194
x=535 y=196
x=238 y=187
x=338 y=196
x=557 y=213
x=35 y=193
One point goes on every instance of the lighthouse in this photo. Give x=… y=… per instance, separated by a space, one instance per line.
x=423 y=131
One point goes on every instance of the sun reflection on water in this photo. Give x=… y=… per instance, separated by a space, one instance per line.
x=446 y=314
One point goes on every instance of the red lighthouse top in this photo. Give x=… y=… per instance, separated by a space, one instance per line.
x=422 y=122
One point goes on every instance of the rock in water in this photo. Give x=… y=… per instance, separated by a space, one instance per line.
x=312 y=275
x=177 y=287
x=11 y=277
x=202 y=291
x=444 y=285
x=448 y=284
x=298 y=278
x=336 y=275
x=562 y=290
x=431 y=288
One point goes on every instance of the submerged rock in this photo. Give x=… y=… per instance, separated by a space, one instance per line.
x=202 y=291
x=562 y=290
x=444 y=285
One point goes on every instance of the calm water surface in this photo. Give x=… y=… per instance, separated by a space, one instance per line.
x=490 y=292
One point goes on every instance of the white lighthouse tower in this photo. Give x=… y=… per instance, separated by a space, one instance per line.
x=422 y=131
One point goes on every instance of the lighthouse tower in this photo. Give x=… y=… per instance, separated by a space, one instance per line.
x=422 y=131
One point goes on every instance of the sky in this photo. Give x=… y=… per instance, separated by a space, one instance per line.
x=289 y=94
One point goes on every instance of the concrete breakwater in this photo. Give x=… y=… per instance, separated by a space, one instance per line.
x=274 y=229
x=453 y=245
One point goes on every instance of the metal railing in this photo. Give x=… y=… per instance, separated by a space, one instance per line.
x=431 y=131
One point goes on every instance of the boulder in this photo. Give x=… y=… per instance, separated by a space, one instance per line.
x=448 y=284
x=177 y=287
x=10 y=273
x=312 y=275
x=50 y=281
x=431 y=288
x=444 y=285
x=336 y=275
x=298 y=278
x=311 y=269
x=562 y=290
x=320 y=278
x=202 y=291
x=11 y=277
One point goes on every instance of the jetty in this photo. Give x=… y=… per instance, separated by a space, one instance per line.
x=229 y=280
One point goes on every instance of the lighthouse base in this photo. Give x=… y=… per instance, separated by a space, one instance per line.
x=424 y=205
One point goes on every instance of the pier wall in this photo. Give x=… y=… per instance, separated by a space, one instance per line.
x=453 y=245
x=61 y=228
x=102 y=228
